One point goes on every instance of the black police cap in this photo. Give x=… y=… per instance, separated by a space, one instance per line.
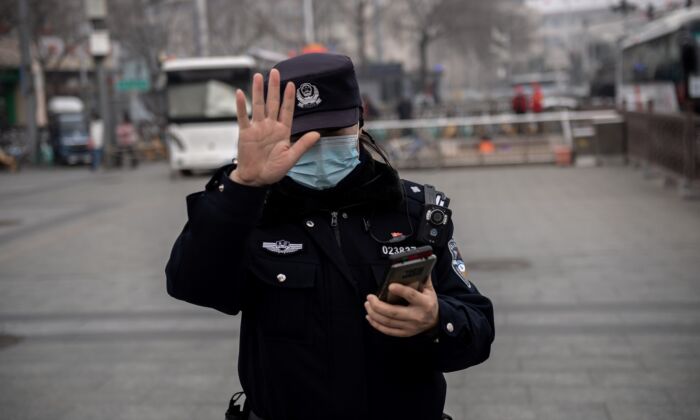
x=327 y=94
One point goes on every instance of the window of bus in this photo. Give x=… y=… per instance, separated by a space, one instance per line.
x=204 y=95
x=657 y=60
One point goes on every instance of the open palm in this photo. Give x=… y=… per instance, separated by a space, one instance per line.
x=265 y=152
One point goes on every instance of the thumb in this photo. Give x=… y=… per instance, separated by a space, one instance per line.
x=303 y=144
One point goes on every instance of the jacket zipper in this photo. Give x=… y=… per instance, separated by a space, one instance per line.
x=334 y=225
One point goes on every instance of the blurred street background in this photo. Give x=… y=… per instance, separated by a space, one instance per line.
x=566 y=133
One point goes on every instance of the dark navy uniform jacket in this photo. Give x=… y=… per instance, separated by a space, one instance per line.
x=298 y=264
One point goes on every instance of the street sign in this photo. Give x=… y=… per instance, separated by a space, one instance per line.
x=99 y=43
x=131 y=85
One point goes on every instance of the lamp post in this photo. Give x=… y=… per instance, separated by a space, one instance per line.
x=96 y=12
x=309 y=35
x=27 y=81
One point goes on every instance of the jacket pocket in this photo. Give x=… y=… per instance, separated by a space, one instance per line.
x=286 y=298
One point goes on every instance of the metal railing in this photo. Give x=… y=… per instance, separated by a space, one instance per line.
x=484 y=140
x=666 y=141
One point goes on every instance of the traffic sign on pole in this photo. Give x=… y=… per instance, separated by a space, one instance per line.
x=131 y=85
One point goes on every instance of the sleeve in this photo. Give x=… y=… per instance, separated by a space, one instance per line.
x=465 y=327
x=207 y=263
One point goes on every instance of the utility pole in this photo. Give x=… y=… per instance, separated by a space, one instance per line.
x=309 y=35
x=378 y=36
x=202 y=28
x=27 y=81
x=624 y=7
x=361 y=24
x=96 y=11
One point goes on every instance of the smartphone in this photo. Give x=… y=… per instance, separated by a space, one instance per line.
x=411 y=268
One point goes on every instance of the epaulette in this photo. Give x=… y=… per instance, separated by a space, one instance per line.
x=414 y=191
x=417 y=192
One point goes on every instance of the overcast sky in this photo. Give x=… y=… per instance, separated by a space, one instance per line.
x=562 y=5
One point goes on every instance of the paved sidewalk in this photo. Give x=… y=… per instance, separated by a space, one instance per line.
x=594 y=273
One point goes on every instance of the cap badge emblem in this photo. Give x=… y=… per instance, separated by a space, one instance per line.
x=307 y=96
x=282 y=247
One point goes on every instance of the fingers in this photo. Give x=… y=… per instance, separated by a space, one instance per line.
x=396 y=332
x=386 y=321
x=303 y=144
x=258 y=101
x=401 y=321
x=412 y=295
x=241 y=110
x=287 y=111
x=401 y=313
x=273 y=95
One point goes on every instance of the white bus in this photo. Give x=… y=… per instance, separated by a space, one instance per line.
x=201 y=109
x=659 y=65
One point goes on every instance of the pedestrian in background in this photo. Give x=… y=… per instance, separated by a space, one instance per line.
x=298 y=236
x=519 y=101
x=126 y=141
x=404 y=109
x=537 y=98
x=96 y=142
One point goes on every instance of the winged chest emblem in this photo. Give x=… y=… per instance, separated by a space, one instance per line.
x=282 y=247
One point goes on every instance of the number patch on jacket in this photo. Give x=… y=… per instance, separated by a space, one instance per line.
x=391 y=250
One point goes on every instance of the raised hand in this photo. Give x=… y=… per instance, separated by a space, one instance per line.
x=265 y=152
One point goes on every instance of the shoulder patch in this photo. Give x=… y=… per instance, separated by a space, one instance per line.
x=458 y=265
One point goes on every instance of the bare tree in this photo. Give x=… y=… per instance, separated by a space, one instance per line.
x=148 y=31
x=46 y=21
x=253 y=23
x=142 y=27
x=465 y=23
x=54 y=36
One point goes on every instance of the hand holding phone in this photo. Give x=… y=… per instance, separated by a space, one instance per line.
x=420 y=315
x=411 y=268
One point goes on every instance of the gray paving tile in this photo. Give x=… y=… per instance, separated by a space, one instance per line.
x=108 y=410
x=622 y=411
x=476 y=393
x=643 y=379
x=598 y=394
x=683 y=396
x=577 y=411
x=589 y=363
x=529 y=378
x=32 y=409
x=505 y=410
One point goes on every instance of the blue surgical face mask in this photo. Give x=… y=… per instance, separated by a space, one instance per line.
x=325 y=164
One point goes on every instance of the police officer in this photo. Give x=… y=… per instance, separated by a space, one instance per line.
x=297 y=237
